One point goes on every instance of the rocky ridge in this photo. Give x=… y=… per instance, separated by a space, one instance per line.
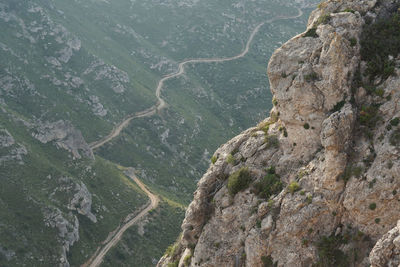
x=315 y=183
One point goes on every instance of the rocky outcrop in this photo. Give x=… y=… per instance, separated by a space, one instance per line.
x=82 y=202
x=68 y=230
x=65 y=136
x=316 y=183
x=386 y=251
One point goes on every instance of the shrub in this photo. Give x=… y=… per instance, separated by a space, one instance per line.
x=395 y=121
x=272 y=141
x=306 y=126
x=230 y=159
x=269 y=185
x=311 y=33
x=329 y=253
x=338 y=106
x=171 y=250
x=293 y=187
x=274 y=101
x=378 y=41
x=309 y=199
x=213 y=159
x=267 y=261
x=239 y=180
x=372 y=206
x=313 y=76
x=394 y=139
x=353 y=41
x=351 y=171
x=368 y=115
x=377 y=220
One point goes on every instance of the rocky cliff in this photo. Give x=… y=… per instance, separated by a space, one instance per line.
x=316 y=183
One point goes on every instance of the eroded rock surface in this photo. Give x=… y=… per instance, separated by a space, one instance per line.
x=65 y=136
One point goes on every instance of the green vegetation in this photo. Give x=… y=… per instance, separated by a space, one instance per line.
x=230 y=159
x=213 y=159
x=173 y=264
x=313 y=76
x=372 y=206
x=329 y=253
x=269 y=185
x=187 y=259
x=395 y=121
x=294 y=187
x=395 y=138
x=323 y=19
x=309 y=199
x=268 y=261
x=349 y=10
x=272 y=141
x=353 y=41
x=171 y=250
x=239 y=180
x=306 y=126
x=311 y=33
x=351 y=171
x=338 y=106
x=378 y=41
x=369 y=116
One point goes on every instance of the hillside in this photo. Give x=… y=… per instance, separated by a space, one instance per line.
x=71 y=71
x=316 y=183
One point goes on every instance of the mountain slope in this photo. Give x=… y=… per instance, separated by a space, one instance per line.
x=72 y=70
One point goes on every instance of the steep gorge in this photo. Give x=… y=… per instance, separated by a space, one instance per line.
x=316 y=183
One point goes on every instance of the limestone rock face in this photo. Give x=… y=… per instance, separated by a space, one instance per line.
x=386 y=251
x=323 y=187
x=65 y=136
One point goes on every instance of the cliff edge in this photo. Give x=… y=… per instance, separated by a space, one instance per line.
x=318 y=182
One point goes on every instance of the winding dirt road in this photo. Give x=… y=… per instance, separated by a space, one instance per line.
x=154 y=200
x=161 y=104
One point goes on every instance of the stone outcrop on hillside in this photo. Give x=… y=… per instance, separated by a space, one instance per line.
x=337 y=204
x=66 y=136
